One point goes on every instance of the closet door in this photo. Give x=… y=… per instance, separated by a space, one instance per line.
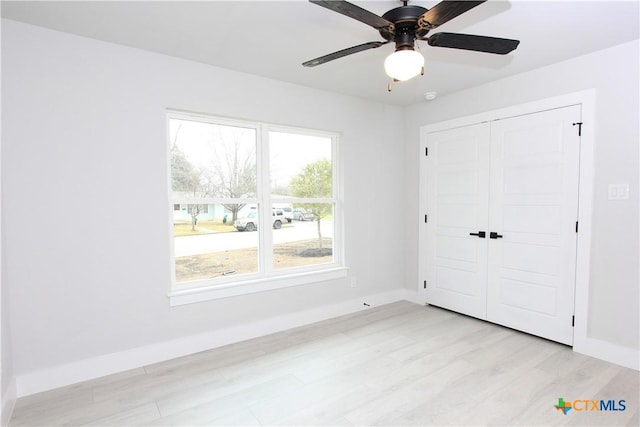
x=456 y=181
x=533 y=205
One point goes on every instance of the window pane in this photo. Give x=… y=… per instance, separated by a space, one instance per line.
x=207 y=245
x=307 y=240
x=211 y=160
x=300 y=165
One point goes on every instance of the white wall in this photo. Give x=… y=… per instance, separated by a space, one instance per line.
x=84 y=145
x=7 y=384
x=614 y=301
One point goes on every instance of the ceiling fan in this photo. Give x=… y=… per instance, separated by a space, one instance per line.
x=407 y=24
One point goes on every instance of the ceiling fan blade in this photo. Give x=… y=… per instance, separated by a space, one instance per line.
x=355 y=12
x=444 y=12
x=473 y=42
x=343 y=52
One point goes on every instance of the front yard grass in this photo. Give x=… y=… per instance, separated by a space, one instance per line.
x=203 y=227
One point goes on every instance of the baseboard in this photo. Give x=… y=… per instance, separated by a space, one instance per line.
x=8 y=403
x=414 y=297
x=83 y=370
x=623 y=356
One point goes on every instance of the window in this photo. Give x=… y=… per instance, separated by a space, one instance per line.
x=258 y=203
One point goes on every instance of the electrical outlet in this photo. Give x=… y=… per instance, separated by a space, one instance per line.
x=354 y=282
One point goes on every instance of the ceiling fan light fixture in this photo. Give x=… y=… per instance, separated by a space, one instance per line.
x=404 y=64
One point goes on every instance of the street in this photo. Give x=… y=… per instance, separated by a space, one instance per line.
x=218 y=242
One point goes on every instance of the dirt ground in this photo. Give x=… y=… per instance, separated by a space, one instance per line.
x=242 y=261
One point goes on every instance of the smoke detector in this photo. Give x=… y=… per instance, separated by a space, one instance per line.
x=430 y=96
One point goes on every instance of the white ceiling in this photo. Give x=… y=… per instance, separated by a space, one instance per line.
x=273 y=38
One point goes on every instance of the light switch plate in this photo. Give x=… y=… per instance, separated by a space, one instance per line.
x=618 y=191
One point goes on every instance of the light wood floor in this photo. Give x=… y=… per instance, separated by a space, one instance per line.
x=399 y=364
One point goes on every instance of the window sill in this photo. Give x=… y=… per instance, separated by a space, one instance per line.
x=193 y=295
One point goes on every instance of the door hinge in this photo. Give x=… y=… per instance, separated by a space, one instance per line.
x=576 y=226
x=426 y=151
x=573 y=321
x=425 y=284
x=425 y=218
x=579 y=124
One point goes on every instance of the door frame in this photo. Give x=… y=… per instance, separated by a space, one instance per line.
x=587 y=101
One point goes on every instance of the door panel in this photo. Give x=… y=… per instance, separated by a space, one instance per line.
x=457 y=179
x=533 y=205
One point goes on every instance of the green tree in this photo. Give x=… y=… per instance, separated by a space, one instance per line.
x=315 y=181
x=184 y=177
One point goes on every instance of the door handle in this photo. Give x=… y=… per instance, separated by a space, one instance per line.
x=480 y=234
x=494 y=235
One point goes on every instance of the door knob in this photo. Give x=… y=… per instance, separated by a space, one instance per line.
x=494 y=235
x=480 y=234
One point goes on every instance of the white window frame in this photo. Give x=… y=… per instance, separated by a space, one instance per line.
x=266 y=278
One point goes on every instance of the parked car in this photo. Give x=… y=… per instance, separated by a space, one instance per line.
x=250 y=222
x=301 y=214
x=288 y=214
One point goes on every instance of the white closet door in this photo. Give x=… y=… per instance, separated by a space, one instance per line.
x=533 y=206
x=456 y=184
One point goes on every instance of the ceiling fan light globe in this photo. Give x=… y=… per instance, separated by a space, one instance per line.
x=403 y=65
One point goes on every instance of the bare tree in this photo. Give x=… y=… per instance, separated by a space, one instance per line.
x=232 y=172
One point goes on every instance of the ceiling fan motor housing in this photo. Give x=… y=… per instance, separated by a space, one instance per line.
x=405 y=20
